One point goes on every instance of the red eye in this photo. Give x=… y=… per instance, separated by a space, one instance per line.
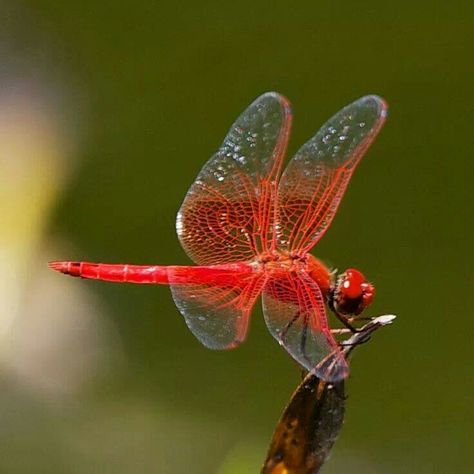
x=353 y=292
x=351 y=284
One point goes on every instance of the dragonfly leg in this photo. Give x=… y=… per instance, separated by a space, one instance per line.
x=347 y=322
x=343 y=344
x=340 y=331
x=354 y=344
x=360 y=318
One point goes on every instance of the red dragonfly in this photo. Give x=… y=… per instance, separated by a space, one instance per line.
x=249 y=227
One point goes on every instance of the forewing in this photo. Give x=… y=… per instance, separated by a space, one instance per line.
x=217 y=310
x=295 y=313
x=314 y=181
x=228 y=213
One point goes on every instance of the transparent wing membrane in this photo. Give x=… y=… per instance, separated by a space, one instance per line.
x=217 y=309
x=294 y=311
x=229 y=210
x=316 y=178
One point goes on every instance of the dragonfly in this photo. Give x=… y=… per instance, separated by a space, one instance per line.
x=249 y=226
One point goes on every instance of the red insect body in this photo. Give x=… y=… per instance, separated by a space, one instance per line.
x=225 y=275
x=249 y=228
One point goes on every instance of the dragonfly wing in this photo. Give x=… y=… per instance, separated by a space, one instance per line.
x=315 y=179
x=295 y=313
x=227 y=212
x=217 y=312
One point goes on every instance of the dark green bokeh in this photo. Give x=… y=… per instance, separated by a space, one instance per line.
x=162 y=82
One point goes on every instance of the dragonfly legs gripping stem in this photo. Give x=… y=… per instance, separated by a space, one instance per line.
x=348 y=321
x=350 y=329
x=338 y=331
x=365 y=339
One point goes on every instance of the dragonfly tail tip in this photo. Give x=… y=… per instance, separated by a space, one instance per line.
x=62 y=267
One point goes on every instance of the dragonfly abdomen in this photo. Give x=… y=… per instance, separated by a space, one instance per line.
x=121 y=273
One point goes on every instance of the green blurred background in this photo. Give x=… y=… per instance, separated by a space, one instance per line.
x=136 y=96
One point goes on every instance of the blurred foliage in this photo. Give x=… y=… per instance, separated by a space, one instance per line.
x=156 y=85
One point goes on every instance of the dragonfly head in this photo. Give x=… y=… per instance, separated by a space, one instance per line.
x=352 y=293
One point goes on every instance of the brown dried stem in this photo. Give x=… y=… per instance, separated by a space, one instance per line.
x=311 y=422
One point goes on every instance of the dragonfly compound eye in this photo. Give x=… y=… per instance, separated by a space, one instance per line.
x=353 y=293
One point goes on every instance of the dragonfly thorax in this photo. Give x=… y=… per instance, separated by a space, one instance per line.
x=292 y=262
x=282 y=260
